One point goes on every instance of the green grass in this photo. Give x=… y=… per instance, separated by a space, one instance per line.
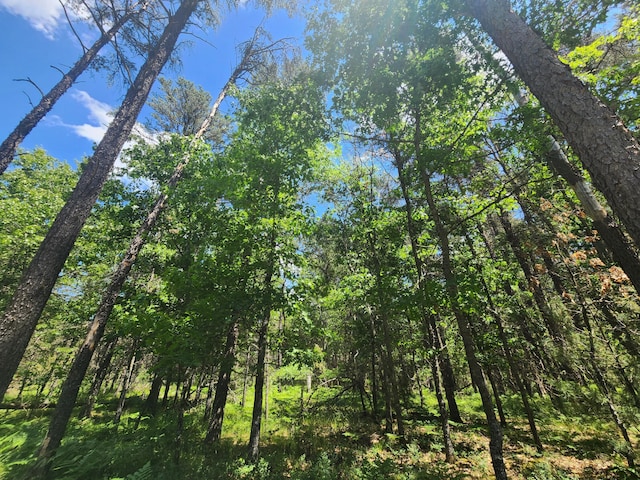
x=330 y=441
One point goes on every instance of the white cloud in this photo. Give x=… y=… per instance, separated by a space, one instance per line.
x=43 y=15
x=99 y=115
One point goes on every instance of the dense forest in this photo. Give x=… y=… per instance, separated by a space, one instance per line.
x=406 y=250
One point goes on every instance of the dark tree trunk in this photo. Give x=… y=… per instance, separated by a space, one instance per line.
x=245 y=378
x=22 y=313
x=606 y=148
x=623 y=253
x=165 y=394
x=532 y=279
x=79 y=207
x=374 y=371
x=222 y=387
x=448 y=380
x=444 y=364
x=126 y=382
x=513 y=366
x=520 y=385
x=182 y=405
x=522 y=320
x=464 y=325
x=256 y=417
x=392 y=395
x=151 y=403
x=432 y=340
x=606 y=391
x=495 y=430
x=37 y=113
x=202 y=380
x=621 y=331
x=208 y=404
x=101 y=374
x=43 y=384
x=496 y=395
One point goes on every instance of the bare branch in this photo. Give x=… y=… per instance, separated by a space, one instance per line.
x=28 y=80
x=62 y=72
x=28 y=98
x=75 y=33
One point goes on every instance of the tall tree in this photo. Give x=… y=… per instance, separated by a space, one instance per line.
x=598 y=136
x=181 y=107
x=78 y=370
x=21 y=315
x=46 y=103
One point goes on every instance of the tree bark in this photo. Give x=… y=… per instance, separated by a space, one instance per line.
x=464 y=326
x=442 y=355
x=150 y=406
x=495 y=430
x=623 y=253
x=605 y=146
x=143 y=83
x=374 y=371
x=99 y=377
x=532 y=279
x=222 y=387
x=496 y=395
x=513 y=366
x=256 y=417
x=126 y=382
x=21 y=315
x=46 y=103
x=388 y=366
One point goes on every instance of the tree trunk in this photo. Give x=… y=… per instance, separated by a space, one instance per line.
x=182 y=405
x=101 y=373
x=43 y=384
x=495 y=430
x=256 y=417
x=391 y=384
x=126 y=382
x=374 y=371
x=623 y=253
x=444 y=364
x=82 y=199
x=208 y=404
x=151 y=403
x=533 y=281
x=520 y=385
x=606 y=391
x=513 y=366
x=597 y=135
x=222 y=387
x=22 y=313
x=464 y=326
x=245 y=379
x=37 y=113
x=496 y=395
x=431 y=341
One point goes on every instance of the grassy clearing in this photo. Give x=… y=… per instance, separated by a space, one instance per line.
x=332 y=441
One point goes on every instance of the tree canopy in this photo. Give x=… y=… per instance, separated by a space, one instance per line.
x=407 y=252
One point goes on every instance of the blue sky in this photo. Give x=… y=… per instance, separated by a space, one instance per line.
x=35 y=36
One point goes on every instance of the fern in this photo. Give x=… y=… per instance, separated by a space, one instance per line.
x=144 y=473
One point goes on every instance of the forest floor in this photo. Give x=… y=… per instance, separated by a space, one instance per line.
x=333 y=441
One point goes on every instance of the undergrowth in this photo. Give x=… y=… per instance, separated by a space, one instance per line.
x=329 y=439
